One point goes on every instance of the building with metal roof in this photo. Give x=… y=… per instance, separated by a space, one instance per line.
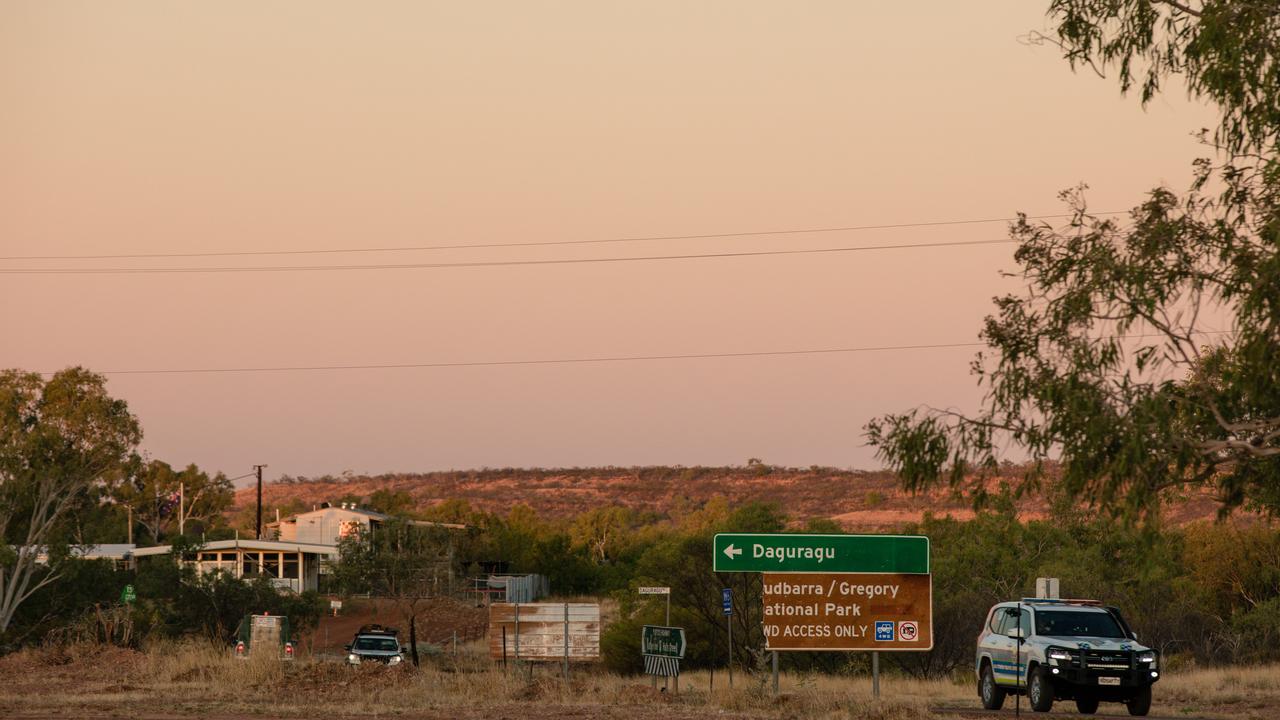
x=288 y=565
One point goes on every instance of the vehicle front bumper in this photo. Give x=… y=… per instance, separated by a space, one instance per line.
x=357 y=659
x=1069 y=682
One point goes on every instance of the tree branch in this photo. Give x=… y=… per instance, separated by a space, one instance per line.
x=1179 y=7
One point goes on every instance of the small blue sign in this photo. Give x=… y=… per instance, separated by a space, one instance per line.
x=884 y=631
x=726 y=600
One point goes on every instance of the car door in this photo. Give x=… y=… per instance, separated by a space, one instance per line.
x=1016 y=654
x=1002 y=646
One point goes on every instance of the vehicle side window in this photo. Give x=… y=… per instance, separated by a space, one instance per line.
x=999 y=621
x=1011 y=620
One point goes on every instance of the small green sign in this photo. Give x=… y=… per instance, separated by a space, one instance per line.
x=127 y=595
x=662 y=641
x=762 y=552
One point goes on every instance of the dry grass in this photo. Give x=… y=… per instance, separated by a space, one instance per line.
x=1238 y=692
x=200 y=680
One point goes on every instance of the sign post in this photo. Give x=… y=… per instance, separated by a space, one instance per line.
x=726 y=602
x=875 y=674
x=663 y=647
x=648 y=590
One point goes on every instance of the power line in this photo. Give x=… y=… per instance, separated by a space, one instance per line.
x=650 y=238
x=548 y=361
x=586 y=360
x=483 y=264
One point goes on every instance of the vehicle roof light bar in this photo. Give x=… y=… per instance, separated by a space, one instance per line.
x=1062 y=601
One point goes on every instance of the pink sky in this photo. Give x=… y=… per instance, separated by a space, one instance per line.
x=189 y=127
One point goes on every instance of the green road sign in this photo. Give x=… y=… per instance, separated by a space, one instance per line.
x=760 y=552
x=662 y=641
x=127 y=595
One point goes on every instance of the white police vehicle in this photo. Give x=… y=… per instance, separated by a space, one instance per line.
x=1066 y=650
x=375 y=643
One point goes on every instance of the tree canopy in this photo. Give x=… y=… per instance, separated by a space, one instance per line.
x=58 y=438
x=162 y=498
x=1141 y=353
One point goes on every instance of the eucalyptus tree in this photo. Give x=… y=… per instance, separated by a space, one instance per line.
x=58 y=439
x=1143 y=353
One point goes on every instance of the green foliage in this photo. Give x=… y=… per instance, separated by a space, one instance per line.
x=173 y=600
x=397 y=559
x=58 y=439
x=1256 y=632
x=1224 y=50
x=155 y=489
x=83 y=584
x=391 y=502
x=1106 y=359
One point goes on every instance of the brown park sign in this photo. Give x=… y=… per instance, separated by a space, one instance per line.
x=848 y=611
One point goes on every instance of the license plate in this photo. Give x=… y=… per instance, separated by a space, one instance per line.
x=1108 y=681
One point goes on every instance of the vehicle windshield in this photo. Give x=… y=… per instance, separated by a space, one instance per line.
x=1071 y=623
x=377 y=643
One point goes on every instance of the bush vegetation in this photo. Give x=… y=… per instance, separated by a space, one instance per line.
x=1204 y=593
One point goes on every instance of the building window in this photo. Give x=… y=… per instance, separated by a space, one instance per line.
x=229 y=558
x=291 y=567
x=250 y=564
x=271 y=565
x=208 y=557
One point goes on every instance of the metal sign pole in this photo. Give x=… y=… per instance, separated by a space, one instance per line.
x=1017 y=665
x=775 y=672
x=875 y=674
x=666 y=681
x=728 y=621
x=566 y=641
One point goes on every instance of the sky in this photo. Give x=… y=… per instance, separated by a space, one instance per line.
x=157 y=127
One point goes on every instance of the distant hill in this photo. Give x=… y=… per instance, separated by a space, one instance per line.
x=858 y=500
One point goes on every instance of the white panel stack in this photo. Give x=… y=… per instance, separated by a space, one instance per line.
x=1047 y=589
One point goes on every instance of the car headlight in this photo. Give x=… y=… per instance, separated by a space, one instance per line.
x=1147 y=656
x=353 y=659
x=1058 y=655
x=395 y=659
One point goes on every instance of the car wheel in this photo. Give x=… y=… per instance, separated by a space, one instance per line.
x=1040 y=692
x=1087 y=705
x=992 y=694
x=1140 y=703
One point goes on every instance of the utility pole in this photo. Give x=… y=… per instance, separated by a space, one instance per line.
x=258 y=470
x=182 y=503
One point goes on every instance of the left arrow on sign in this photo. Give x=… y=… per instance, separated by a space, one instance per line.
x=732 y=551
